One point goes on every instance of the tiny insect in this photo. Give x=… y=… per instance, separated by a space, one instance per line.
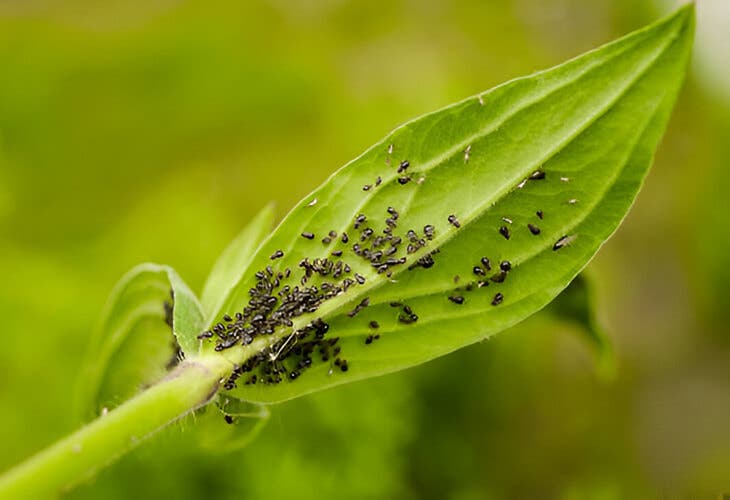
x=345 y=238
x=498 y=298
x=403 y=166
x=390 y=149
x=572 y=201
x=505 y=265
x=485 y=262
x=312 y=203
x=565 y=179
x=326 y=240
x=360 y=279
x=499 y=277
x=404 y=180
x=360 y=219
x=563 y=242
x=374 y=325
x=457 y=299
x=228 y=419
x=428 y=230
x=308 y=235
x=277 y=255
x=378 y=181
x=454 y=221
x=337 y=253
x=537 y=175
x=539 y=214
x=504 y=231
x=478 y=271
x=507 y=220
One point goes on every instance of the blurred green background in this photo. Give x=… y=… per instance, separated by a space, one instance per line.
x=138 y=131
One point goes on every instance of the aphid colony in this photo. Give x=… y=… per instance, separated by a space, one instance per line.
x=276 y=299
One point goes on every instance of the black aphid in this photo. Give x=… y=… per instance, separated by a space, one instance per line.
x=478 y=271
x=497 y=299
x=378 y=181
x=326 y=240
x=228 y=419
x=345 y=238
x=403 y=166
x=407 y=316
x=277 y=255
x=308 y=235
x=533 y=229
x=343 y=365
x=369 y=339
x=504 y=231
x=396 y=304
x=360 y=219
x=499 y=277
x=404 y=180
x=227 y=318
x=428 y=231
x=425 y=262
x=485 y=262
x=374 y=324
x=360 y=279
x=457 y=299
x=505 y=265
x=333 y=234
x=337 y=253
x=367 y=187
x=537 y=175
x=539 y=214
x=454 y=221
x=362 y=305
x=392 y=211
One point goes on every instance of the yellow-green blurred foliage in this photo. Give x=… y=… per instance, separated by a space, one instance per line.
x=138 y=131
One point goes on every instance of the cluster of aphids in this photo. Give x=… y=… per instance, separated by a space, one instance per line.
x=278 y=296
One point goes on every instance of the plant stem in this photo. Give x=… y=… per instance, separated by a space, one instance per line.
x=76 y=457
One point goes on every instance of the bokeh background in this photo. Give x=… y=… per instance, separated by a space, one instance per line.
x=136 y=130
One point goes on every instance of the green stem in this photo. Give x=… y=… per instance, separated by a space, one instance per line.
x=76 y=457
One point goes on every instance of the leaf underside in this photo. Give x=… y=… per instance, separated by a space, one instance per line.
x=536 y=173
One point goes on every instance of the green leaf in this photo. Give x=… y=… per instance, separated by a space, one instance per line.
x=576 y=304
x=133 y=346
x=590 y=125
x=233 y=262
